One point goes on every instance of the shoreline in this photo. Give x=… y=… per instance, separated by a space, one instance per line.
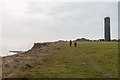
x=40 y=52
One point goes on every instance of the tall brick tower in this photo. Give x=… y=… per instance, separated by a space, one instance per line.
x=107 y=29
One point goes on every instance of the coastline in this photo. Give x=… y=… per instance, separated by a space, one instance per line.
x=40 y=52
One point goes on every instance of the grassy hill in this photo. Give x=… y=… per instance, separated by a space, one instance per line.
x=87 y=60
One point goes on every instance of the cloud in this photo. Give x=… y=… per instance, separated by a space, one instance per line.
x=0 y=28
x=26 y=22
x=119 y=20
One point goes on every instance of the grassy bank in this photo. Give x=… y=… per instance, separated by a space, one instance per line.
x=16 y=66
x=87 y=60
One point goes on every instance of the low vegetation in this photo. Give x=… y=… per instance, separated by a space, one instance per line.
x=87 y=60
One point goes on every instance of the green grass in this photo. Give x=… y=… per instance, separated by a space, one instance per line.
x=87 y=60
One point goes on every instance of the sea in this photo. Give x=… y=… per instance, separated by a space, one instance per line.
x=8 y=54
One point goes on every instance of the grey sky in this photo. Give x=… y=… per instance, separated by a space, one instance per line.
x=26 y=22
x=119 y=20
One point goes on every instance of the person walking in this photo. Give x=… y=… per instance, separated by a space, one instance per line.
x=70 y=43
x=75 y=43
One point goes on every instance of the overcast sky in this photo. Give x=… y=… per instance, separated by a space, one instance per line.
x=25 y=22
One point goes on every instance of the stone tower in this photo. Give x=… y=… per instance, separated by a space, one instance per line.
x=107 y=28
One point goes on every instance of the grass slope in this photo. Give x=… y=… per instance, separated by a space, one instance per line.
x=16 y=66
x=87 y=60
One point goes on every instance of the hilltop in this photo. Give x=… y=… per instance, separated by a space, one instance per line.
x=58 y=60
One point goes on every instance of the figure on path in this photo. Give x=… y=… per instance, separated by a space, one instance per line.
x=75 y=43
x=70 y=43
